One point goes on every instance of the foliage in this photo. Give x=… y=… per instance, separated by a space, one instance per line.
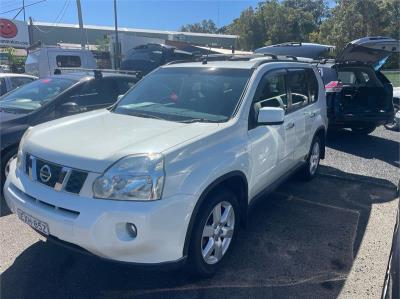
x=205 y=26
x=274 y=21
x=103 y=44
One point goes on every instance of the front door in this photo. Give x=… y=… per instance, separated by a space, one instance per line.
x=271 y=145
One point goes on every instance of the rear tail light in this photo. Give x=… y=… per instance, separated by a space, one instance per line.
x=334 y=86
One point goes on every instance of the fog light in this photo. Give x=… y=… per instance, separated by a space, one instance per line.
x=131 y=229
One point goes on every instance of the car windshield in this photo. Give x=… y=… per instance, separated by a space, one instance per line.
x=32 y=96
x=203 y=94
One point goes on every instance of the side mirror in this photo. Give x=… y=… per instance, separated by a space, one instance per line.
x=270 y=116
x=70 y=108
x=120 y=97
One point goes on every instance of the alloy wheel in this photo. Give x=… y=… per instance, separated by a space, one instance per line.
x=314 y=158
x=218 y=232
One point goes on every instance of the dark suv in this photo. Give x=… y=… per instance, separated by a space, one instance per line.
x=359 y=96
x=54 y=97
x=145 y=58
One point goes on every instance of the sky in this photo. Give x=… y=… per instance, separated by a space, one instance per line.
x=150 y=14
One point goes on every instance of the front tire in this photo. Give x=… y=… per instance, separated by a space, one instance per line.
x=214 y=232
x=5 y=164
x=310 y=169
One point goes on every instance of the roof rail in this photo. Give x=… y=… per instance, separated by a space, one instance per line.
x=179 y=61
x=98 y=73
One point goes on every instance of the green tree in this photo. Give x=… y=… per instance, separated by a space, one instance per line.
x=249 y=28
x=205 y=26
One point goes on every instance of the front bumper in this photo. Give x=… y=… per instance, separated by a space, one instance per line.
x=99 y=226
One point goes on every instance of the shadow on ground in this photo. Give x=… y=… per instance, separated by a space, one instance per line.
x=365 y=146
x=300 y=242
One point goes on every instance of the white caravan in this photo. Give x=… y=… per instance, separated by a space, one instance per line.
x=42 y=62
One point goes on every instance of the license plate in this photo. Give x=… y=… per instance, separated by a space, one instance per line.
x=32 y=221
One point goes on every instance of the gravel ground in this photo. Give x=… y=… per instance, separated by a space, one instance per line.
x=375 y=156
x=327 y=238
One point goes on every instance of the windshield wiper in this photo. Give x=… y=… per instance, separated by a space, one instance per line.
x=199 y=120
x=145 y=115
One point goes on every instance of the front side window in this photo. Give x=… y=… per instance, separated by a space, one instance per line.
x=68 y=61
x=95 y=93
x=272 y=91
x=299 y=88
x=18 y=81
x=186 y=94
x=34 y=95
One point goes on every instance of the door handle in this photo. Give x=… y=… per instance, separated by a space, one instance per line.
x=312 y=114
x=289 y=126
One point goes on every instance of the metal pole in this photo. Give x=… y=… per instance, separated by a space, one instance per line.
x=116 y=48
x=23 y=6
x=78 y=5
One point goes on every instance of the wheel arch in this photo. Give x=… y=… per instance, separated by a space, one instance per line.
x=321 y=133
x=234 y=180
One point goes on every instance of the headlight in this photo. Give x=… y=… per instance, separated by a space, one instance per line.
x=136 y=177
x=21 y=146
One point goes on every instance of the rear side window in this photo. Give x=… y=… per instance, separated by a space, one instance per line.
x=312 y=85
x=68 y=61
x=298 y=83
x=347 y=77
x=124 y=84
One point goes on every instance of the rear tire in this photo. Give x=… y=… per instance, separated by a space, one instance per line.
x=363 y=130
x=213 y=236
x=392 y=124
x=310 y=169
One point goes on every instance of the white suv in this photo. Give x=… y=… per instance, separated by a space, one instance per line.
x=168 y=173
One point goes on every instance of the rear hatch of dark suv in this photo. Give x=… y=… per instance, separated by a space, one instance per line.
x=361 y=97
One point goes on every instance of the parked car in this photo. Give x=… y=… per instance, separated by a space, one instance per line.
x=145 y=58
x=394 y=124
x=54 y=97
x=167 y=175
x=10 y=81
x=358 y=96
x=44 y=61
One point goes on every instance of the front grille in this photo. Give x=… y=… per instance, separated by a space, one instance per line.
x=53 y=170
x=75 y=182
x=55 y=176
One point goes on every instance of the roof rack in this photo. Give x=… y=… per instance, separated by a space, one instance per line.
x=98 y=73
x=243 y=57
